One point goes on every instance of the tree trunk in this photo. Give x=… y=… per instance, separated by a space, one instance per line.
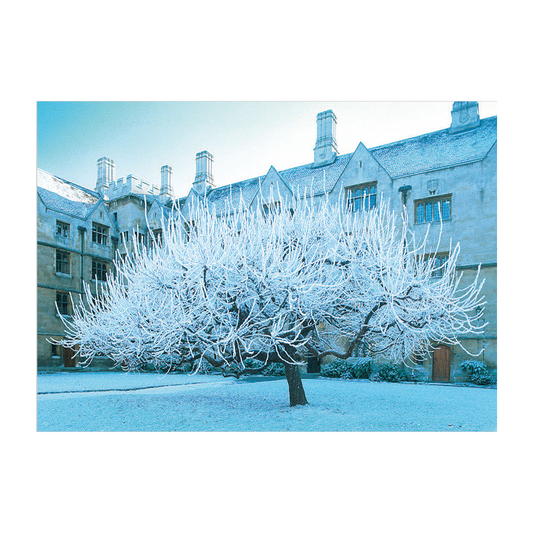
x=296 y=388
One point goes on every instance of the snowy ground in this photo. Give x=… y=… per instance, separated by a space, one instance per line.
x=116 y=401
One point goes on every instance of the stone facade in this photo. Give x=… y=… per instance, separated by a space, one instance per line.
x=79 y=234
x=446 y=176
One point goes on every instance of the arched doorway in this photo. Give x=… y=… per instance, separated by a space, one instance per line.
x=441 y=363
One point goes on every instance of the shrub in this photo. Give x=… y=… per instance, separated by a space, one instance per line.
x=476 y=372
x=352 y=368
x=253 y=363
x=275 y=369
x=361 y=367
x=392 y=372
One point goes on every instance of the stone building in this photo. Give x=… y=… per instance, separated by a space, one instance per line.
x=446 y=178
x=79 y=234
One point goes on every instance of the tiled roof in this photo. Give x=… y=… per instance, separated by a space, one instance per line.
x=306 y=180
x=431 y=151
x=302 y=180
x=230 y=195
x=439 y=149
x=62 y=195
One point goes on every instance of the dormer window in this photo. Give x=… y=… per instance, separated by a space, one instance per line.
x=273 y=208
x=100 y=234
x=361 y=197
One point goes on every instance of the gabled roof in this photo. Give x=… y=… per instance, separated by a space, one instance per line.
x=170 y=212
x=310 y=180
x=62 y=195
x=436 y=150
x=424 y=153
x=230 y=195
x=302 y=180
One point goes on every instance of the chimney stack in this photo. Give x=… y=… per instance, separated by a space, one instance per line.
x=203 y=182
x=166 y=193
x=465 y=116
x=105 y=175
x=326 y=143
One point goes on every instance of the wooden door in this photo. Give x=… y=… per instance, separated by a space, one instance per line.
x=68 y=357
x=441 y=364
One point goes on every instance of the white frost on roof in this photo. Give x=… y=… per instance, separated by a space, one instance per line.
x=67 y=190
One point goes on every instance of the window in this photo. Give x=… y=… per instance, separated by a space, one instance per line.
x=189 y=229
x=433 y=209
x=124 y=237
x=62 y=302
x=62 y=229
x=272 y=208
x=439 y=262
x=139 y=237
x=100 y=233
x=99 y=270
x=158 y=236
x=361 y=197
x=62 y=262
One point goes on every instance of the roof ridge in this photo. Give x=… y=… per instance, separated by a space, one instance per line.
x=311 y=165
x=443 y=130
x=89 y=191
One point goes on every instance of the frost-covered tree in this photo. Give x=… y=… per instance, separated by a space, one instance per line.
x=305 y=280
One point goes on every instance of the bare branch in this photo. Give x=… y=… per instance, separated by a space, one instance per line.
x=274 y=288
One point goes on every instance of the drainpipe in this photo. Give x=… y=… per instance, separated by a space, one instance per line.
x=404 y=189
x=82 y=230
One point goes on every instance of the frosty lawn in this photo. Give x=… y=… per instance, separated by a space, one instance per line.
x=113 y=401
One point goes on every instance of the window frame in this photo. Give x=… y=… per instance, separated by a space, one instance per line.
x=62 y=303
x=272 y=208
x=62 y=229
x=189 y=227
x=157 y=236
x=97 y=267
x=62 y=262
x=366 y=201
x=100 y=234
x=441 y=258
x=421 y=207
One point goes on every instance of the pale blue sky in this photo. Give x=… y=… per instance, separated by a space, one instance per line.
x=245 y=138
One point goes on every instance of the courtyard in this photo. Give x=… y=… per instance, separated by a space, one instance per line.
x=119 y=401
